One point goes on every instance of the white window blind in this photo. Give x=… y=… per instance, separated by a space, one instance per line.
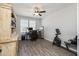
x=25 y=24
x=32 y=23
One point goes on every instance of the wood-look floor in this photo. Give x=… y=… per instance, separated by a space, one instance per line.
x=41 y=47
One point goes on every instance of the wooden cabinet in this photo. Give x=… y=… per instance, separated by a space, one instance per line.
x=8 y=49
x=5 y=22
x=8 y=43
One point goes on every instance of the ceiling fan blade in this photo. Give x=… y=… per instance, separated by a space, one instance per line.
x=40 y=14
x=42 y=11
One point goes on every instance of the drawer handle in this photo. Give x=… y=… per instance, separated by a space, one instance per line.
x=0 y=50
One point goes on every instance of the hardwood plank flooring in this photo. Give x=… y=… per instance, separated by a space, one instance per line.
x=41 y=47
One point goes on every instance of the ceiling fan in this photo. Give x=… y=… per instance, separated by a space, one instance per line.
x=38 y=11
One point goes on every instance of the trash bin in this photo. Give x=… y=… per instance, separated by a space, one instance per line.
x=23 y=37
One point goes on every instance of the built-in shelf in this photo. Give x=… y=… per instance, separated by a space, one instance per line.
x=13 y=22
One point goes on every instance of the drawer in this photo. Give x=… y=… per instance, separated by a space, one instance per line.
x=8 y=49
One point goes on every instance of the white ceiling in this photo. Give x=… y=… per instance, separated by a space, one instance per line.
x=26 y=9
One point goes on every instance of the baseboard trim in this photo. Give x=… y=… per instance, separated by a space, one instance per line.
x=48 y=40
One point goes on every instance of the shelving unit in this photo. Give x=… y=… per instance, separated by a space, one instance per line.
x=13 y=22
x=41 y=32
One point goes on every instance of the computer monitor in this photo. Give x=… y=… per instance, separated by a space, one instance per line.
x=30 y=28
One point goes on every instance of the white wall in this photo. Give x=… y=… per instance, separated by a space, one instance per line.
x=78 y=28
x=64 y=19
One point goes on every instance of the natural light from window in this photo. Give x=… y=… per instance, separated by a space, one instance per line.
x=25 y=24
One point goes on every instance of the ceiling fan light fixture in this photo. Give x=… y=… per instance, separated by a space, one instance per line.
x=36 y=13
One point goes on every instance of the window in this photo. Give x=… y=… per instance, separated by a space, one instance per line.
x=26 y=24
x=32 y=23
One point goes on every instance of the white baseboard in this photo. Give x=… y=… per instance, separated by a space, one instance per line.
x=48 y=40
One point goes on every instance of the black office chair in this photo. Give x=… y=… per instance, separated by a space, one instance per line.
x=74 y=41
x=72 y=44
